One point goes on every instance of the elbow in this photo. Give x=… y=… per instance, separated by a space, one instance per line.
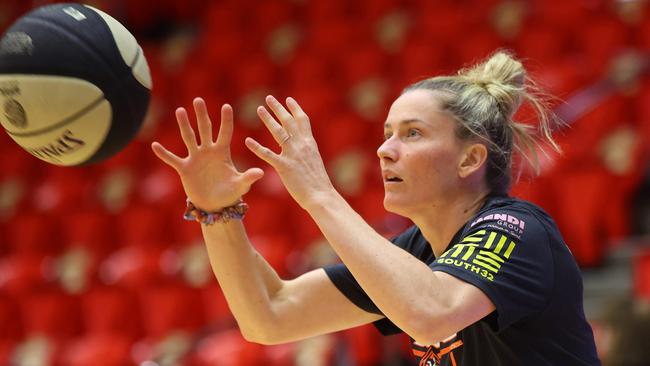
x=428 y=329
x=264 y=335
x=429 y=336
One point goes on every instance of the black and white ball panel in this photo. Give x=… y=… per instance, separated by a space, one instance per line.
x=61 y=120
x=74 y=84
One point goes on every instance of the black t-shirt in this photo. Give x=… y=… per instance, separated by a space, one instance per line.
x=514 y=253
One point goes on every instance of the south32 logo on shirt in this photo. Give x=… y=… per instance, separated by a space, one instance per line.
x=482 y=253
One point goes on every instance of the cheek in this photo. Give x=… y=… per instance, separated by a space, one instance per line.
x=436 y=165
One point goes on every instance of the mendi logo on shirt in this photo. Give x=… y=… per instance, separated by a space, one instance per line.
x=482 y=253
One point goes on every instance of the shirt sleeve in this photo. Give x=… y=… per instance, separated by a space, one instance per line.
x=506 y=253
x=348 y=285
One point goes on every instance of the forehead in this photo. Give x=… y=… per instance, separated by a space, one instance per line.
x=420 y=104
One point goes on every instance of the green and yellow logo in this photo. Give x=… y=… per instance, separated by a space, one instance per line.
x=482 y=252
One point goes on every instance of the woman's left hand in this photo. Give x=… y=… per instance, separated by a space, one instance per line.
x=299 y=163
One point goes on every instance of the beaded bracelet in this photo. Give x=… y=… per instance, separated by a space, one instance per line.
x=236 y=211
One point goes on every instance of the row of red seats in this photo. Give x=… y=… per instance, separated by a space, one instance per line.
x=116 y=326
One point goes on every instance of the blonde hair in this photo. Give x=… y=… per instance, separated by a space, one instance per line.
x=484 y=99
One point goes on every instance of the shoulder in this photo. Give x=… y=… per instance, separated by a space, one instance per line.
x=514 y=217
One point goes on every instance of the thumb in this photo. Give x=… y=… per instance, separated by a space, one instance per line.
x=251 y=176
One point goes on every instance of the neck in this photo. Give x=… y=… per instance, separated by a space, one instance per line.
x=440 y=222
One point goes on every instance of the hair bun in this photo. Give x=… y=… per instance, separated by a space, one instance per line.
x=503 y=77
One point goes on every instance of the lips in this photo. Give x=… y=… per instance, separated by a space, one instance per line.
x=390 y=176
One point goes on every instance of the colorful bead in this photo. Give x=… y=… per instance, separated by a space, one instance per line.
x=234 y=212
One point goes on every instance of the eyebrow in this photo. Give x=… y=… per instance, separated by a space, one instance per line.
x=405 y=122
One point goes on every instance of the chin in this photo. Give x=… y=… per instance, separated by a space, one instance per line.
x=393 y=206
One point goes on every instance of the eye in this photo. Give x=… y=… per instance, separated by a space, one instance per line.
x=412 y=132
x=387 y=135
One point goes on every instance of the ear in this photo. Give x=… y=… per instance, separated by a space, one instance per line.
x=473 y=159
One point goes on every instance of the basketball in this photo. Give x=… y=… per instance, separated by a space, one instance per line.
x=74 y=84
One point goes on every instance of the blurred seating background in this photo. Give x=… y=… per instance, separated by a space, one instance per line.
x=97 y=266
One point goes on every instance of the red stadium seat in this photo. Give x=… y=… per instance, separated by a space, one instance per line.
x=373 y=10
x=362 y=341
x=420 y=58
x=18 y=162
x=97 y=349
x=22 y=273
x=478 y=45
x=361 y=63
x=276 y=249
x=541 y=44
x=228 y=348
x=53 y=313
x=641 y=273
x=270 y=14
x=599 y=39
x=303 y=229
x=559 y=78
x=329 y=38
x=112 y=310
x=11 y=320
x=642 y=109
x=216 y=309
x=6 y=351
x=327 y=10
x=440 y=21
x=317 y=101
x=171 y=307
x=254 y=72
x=559 y=14
x=343 y=132
x=267 y=214
x=33 y=233
x=64 y=190
x=90 y=229
x=133 y=267
x=143 y=225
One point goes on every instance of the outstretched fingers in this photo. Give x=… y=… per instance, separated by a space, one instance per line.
x=262 y=152
x=225 y=130
x=295 y=108
x=301 y=118
x=187 y=133
x=280 y=112
x=166 y=156
x=278 y=133
x=203 y=121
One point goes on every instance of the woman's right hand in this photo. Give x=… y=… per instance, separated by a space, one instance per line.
x=208 y=174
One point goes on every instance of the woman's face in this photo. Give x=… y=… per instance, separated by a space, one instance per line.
x=420 y=155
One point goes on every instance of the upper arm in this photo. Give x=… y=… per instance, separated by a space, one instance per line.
x=465 y=304
x=311 y=305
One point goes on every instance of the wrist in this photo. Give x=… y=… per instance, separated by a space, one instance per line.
x=235 y=211
x=319 y=200
x=209 y=206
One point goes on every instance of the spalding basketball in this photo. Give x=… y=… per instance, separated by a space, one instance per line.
x=74 y=84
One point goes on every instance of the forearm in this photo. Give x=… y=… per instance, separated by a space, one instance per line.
x=403 y=288
x=247 y=280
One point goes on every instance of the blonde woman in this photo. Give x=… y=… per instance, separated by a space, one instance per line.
x=480 y=279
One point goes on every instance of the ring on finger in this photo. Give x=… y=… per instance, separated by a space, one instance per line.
x=285 y=139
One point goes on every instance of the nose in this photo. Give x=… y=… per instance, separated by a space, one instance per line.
x=387 y=150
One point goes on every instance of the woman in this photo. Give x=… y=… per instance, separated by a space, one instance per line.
x=481 y=278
